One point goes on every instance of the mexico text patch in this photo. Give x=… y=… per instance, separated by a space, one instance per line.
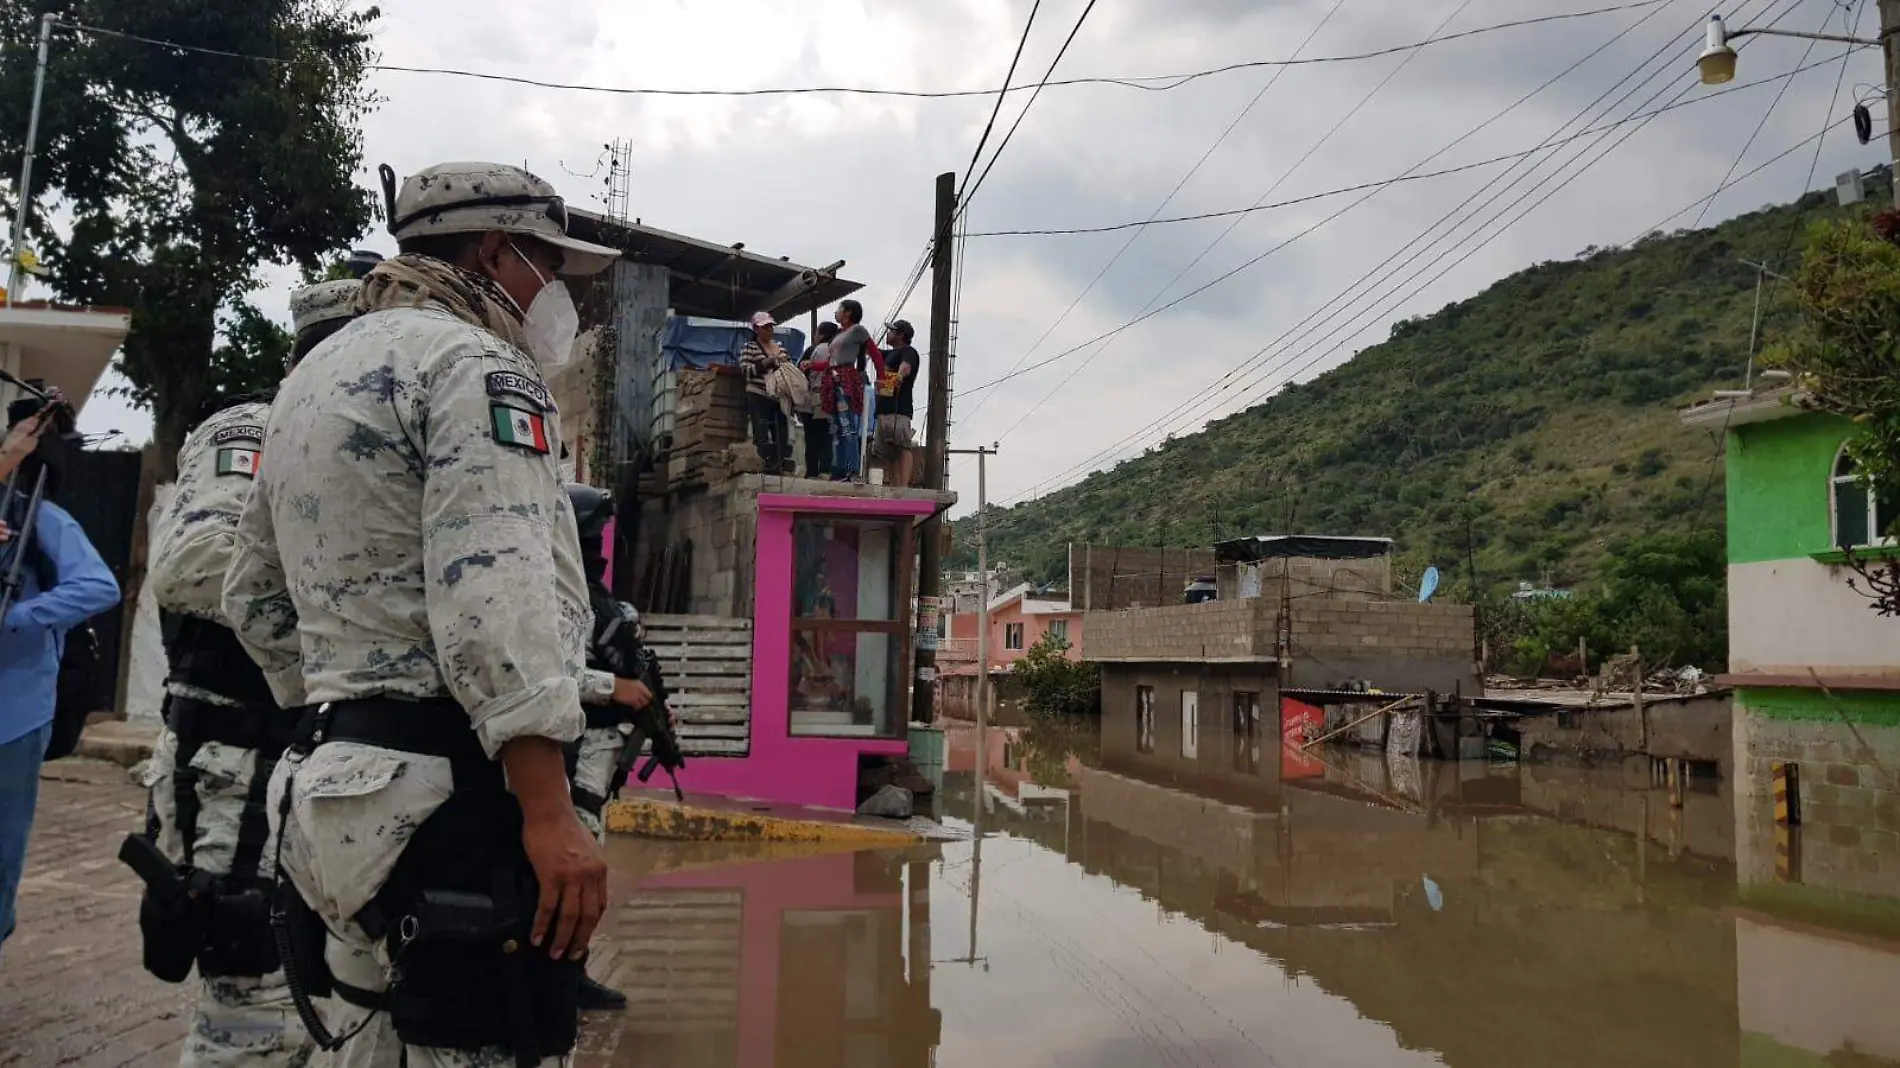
x=243 y=432
x=506 y=383
x=519 y=428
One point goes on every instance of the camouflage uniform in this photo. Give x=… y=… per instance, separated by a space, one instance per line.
x=414 y=540
x=240 y=1020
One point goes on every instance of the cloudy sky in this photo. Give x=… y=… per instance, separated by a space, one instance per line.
x=822 y=178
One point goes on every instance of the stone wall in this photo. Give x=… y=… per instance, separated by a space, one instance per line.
x=1106 y=577
x=1849 y=760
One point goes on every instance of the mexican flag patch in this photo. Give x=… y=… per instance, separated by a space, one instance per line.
x=238 y=461
x=522 y=429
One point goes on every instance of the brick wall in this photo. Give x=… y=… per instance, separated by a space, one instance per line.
x=1404 y=628
x=1849 y=839
x=1107 y=577
x=1216 y=630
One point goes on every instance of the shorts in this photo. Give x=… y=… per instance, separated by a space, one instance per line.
x=891 y=436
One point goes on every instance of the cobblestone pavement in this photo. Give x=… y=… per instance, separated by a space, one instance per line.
x=72 y=991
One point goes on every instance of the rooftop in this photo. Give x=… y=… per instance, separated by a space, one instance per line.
x=63 y=345
x=718 y=281
x=1759 y=406
x=1307 y=546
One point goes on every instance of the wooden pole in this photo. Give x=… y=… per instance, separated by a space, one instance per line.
x=1394 y=706
x=936 y=436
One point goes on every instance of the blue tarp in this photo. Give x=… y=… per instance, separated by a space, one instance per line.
x=691 y=342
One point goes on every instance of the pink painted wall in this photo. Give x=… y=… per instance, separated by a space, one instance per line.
x=804 y=770
x=1034 y=627
x=826 y=883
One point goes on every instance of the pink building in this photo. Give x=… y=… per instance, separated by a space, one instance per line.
x=1018 y=620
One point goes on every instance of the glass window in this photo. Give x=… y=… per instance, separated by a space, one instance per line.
x=1012 y=635
x=1190 y=724
x=847 y=569
x=1860 y=518
x=849 y=662
x=1059 y=628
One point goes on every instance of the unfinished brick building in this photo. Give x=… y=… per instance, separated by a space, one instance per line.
x=1306 y=617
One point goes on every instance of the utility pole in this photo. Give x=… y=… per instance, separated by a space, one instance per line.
x=983 y=610
x=25 y=191
x=1890 y=51
x=936 y=436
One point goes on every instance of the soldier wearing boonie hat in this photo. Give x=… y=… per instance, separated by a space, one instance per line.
x=224 y=730
x=423 y=552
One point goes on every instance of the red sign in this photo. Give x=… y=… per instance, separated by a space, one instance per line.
x=1299 y=722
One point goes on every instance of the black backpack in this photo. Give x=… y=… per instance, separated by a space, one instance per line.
x=81 y=690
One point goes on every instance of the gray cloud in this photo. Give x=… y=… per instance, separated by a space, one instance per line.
x=824 y=178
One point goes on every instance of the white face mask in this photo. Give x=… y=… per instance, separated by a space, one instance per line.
x=551 y=323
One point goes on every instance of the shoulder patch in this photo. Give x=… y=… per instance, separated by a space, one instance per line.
x=508 y=383
x=239 y=461
x=518 y=427
x=240 y=432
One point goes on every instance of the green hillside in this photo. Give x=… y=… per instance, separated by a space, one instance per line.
x=1543 y=408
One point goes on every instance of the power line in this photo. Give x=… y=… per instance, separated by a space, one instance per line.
x=1003 y=93
x=970 y=188
x=1167 y=81
x=1178 y=186
x=1309 y=363
x=1250 y=262
x=1191 y=402
x=1383 y=182
x=1237 y=220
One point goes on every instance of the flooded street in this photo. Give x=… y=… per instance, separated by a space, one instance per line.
x=1122 y=912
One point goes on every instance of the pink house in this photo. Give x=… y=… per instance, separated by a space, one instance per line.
x=1018 y=620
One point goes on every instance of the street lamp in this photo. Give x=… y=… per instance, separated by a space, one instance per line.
x=1717 y=61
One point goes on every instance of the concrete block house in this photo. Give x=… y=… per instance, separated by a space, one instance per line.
x=1816 y=672
x=780 y=607
x=1199 y=693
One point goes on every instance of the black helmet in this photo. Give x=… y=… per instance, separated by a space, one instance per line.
x=592 y=508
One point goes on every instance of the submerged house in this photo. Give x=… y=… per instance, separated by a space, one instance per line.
x=1300 y=623
x=1816 y=672
x=780 y=607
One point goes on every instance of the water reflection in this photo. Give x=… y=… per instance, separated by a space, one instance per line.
x=1132 y=908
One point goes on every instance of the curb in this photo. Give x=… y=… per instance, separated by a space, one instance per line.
x=693 y=823
x=117 y=742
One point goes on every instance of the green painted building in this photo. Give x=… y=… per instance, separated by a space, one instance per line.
x=1817 y=685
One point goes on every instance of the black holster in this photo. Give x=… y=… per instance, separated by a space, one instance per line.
x=238 y=938
x=459 y=905
x=170 y=935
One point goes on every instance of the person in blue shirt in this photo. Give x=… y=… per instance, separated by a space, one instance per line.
x=63 y=585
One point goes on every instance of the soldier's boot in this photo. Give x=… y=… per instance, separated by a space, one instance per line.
x=598 y=997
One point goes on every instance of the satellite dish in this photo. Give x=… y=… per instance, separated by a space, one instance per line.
x=1428 y=585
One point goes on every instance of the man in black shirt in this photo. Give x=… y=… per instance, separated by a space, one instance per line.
x=895 y=404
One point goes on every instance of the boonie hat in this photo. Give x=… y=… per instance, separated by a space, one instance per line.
x=323 y=302
x=468 y=198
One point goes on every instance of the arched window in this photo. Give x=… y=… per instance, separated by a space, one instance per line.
x=1860 y=518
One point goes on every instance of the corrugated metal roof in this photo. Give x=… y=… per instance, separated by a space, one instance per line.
x=718 y=281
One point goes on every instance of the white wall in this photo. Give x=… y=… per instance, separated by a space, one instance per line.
x=1785 y=616
x=145 y=677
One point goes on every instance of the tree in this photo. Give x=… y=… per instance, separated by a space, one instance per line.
x=183 y=172
x=1056 y=685
x=1846 y=360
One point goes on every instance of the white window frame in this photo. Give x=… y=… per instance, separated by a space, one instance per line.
x=1834 y=482
x=1015 y=630
x=1063 y=632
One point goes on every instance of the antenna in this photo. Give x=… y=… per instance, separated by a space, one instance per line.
x=620 y=180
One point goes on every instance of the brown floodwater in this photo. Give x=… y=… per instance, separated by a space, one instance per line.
x=1342 y=912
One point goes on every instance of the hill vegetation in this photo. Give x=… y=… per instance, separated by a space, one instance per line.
x=1531 y=429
